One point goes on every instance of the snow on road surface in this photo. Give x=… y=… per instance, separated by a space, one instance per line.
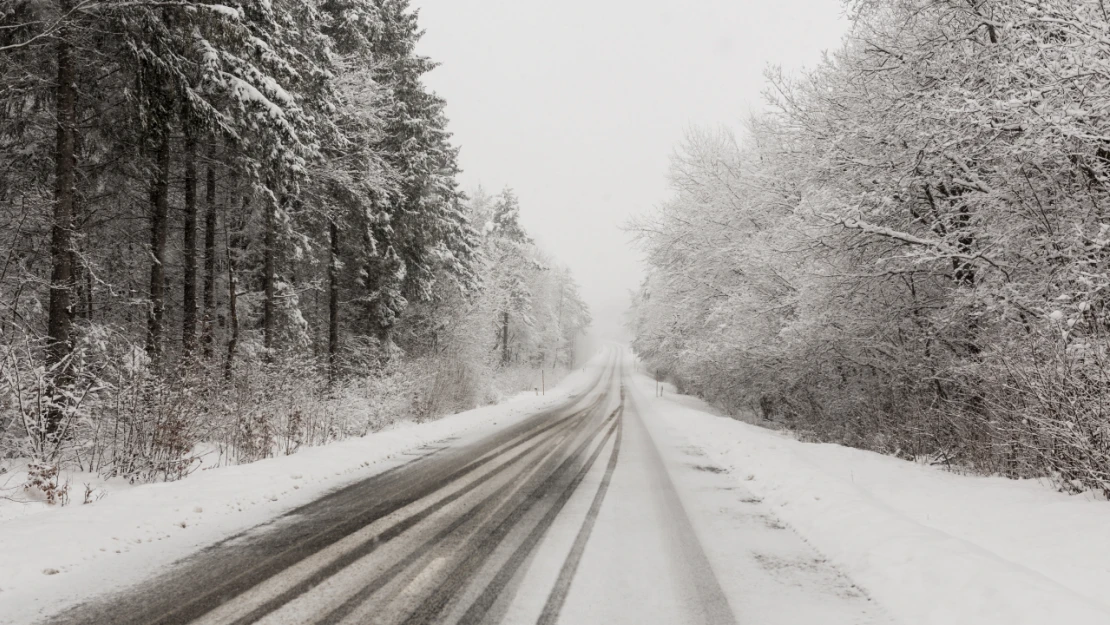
x=676 y=541
x=56 y=557
x=931 y=546
x=675 y=516
x=581 y=513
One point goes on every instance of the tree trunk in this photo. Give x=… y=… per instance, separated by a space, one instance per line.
x=505 y=338
x=963 y=270
x=233 y=246
x=60 y=316
x=77 y=277
x=88 y=295
x=333 y=302
x=209 y=250
x=268 y=276
x=159 y=224
x=232 y=313
x=189 y=314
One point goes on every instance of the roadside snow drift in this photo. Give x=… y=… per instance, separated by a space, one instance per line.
x=933 y=547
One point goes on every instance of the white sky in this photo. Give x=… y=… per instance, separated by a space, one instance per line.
x=578 y=104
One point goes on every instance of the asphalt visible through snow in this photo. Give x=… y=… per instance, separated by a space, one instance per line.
x=573 y=515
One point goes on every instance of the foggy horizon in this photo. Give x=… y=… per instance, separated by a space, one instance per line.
x=581 y=121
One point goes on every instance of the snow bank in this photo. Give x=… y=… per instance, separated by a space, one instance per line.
x=934 y=547
x=57 y=556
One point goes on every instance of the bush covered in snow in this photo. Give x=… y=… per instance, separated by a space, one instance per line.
x=910 y=252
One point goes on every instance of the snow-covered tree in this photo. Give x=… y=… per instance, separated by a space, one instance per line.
x=906 y=252
x=217 y=216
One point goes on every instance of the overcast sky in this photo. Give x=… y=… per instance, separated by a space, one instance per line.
x=578 y=104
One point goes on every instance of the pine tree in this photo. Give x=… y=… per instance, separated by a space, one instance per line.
x=298 y=136
x=420 y=227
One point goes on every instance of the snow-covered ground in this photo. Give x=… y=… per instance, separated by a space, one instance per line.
x=931 y=546
x=54 y=556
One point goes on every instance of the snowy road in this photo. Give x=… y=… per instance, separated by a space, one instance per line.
x=582 y=513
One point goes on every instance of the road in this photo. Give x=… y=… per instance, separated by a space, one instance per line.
x=578 y=514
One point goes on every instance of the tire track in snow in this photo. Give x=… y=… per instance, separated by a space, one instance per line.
x=252 y=575
x=558 y=594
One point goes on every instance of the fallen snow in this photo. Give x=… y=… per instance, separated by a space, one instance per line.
x=52 y=557
x=933 y=547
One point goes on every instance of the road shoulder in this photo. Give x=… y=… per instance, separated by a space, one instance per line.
x=871 y=517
